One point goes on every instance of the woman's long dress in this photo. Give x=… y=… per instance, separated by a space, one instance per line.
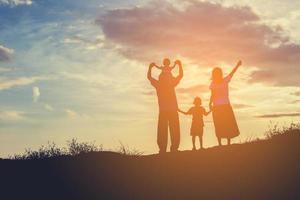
x=223 y=115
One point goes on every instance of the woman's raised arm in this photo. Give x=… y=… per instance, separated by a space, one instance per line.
x=235 y=68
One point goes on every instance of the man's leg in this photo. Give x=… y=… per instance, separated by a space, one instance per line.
x=162 y=132
x=174 y=130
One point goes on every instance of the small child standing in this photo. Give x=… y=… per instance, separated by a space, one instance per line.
x=197 y=112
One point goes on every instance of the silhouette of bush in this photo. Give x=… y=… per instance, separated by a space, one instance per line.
x=250 y=139
x=51 y=150
x=125 y=150
x=276 y=131
x=75 y=148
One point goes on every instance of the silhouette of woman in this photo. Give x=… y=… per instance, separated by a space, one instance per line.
x=223 y=116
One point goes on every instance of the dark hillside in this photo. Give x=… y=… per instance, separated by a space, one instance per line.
x=268 y=169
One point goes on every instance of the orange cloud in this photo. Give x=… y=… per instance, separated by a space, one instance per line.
x=241 y=106
x=206 y=33
x=296 y=93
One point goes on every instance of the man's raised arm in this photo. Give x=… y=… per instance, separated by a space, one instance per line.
x=149 y=75
x=180 y=75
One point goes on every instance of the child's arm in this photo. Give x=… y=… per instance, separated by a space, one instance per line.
x=206 y=113
x=158 y=67
x=185 y=113
x=175 y=63
x=182 y=111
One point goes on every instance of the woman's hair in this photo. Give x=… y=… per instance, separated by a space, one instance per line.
x=197 y=101
x=217 y=75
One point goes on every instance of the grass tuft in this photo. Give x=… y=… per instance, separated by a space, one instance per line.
x=51 y=150
x=276 y=131
x=125 y=150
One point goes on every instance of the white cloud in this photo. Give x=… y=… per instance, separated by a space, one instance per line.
x=5 y=53
x=11 y=115
x=48 y=107
x=75 y=115
x=92 y=78
x=71 y=113
x=36 y=93
x=88 y=44
x=6 y=83
x=16 y=2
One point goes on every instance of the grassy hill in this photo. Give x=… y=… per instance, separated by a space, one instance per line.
x=262 y=169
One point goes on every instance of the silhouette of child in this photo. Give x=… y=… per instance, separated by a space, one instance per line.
x=197 y=124
x=166 y=68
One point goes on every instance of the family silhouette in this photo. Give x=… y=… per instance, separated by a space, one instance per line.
x=168 y=120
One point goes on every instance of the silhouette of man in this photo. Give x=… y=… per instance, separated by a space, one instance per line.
x=167 y=101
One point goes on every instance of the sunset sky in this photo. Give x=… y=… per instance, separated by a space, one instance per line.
x=77 y=68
